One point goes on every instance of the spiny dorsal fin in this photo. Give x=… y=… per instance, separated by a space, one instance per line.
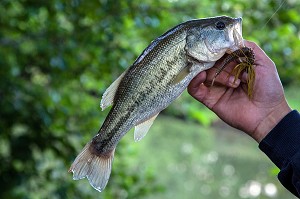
x=95 y=168
x=141 y=129
x=109 y=94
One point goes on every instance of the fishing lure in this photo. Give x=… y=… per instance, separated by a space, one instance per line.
x=246 y=65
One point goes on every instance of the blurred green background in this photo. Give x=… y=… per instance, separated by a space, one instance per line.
x=57 y=59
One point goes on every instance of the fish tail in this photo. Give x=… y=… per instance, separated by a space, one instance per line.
x=96 y=168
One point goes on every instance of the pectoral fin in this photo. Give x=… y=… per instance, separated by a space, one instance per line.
x=109 y=94
x=182 y=74
x=141 y=130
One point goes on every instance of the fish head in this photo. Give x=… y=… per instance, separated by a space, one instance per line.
x=214 y=37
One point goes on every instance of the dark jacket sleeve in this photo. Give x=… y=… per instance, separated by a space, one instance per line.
x=282 y=146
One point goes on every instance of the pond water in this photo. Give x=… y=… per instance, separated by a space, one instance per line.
x=192 y=161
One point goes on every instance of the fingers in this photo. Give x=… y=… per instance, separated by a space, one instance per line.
x=223 y=79
x=244 y=77
x=194 y=84
x=233 y=82
x=196 y=87
x=200 y=86
x=226 y=78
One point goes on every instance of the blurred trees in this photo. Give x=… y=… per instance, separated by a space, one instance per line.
x=57 y=58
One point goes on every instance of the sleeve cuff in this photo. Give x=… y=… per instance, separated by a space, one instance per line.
x=283 y=141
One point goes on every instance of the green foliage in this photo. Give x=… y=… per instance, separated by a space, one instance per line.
x=57 y=58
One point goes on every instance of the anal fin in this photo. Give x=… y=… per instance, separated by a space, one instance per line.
x=95 y=168
x=142 y=129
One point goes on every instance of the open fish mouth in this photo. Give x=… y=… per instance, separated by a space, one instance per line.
x=238 y=41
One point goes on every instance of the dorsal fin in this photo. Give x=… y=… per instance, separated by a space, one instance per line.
x=109 y=94
x=141 y=129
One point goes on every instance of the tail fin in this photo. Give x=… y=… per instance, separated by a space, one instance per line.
x=96 y=168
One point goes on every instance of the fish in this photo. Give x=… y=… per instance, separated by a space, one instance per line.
x=156 y=78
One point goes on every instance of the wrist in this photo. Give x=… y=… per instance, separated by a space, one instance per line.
x=270 y=121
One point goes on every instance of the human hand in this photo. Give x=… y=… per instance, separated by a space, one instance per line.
x=229 y=99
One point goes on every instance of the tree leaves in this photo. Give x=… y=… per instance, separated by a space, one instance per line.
x=57 y=58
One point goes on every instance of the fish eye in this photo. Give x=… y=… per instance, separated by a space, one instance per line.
x=220 y=25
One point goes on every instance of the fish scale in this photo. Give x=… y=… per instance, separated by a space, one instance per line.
x=156 y=78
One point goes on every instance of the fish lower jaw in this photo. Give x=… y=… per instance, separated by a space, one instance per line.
x=235 y=47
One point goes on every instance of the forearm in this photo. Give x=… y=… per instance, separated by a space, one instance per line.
x=282 y=146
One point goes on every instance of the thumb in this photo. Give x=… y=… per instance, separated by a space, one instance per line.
x=196 y=87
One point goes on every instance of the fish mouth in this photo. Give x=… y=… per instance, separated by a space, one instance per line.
x=238 y=41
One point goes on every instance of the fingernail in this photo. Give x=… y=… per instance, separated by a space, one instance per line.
x=233 y=82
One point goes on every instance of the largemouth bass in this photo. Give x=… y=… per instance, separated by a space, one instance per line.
x=156 y=78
